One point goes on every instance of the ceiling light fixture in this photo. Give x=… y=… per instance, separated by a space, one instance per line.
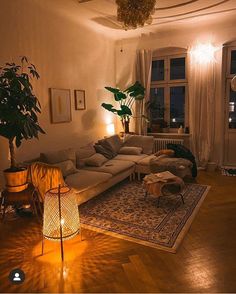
x=135 y=13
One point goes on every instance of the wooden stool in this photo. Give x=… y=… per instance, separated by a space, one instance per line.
x=25 y=197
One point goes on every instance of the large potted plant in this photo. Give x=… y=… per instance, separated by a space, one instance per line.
x=126 y=100
x=18 y=115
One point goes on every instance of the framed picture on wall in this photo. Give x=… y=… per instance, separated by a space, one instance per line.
x=60 y=103
x=80 y=100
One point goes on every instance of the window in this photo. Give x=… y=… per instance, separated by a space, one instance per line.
x=168 y=94
x=233 y=62
x=232 y=110
x=231 y=95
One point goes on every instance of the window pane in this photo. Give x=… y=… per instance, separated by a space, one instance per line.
x=156 y=105
x=233 y=62
x=177 y=103
x=177 y=68
x=158 y=70
x=232 y=110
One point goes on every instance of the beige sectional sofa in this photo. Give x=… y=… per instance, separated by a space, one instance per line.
x=91 y=173
x=84 y=171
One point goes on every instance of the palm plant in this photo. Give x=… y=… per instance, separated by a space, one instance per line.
x=126 y=101
x=18 y=105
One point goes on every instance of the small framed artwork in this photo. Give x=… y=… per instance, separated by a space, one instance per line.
x=60 y=105
x=80 y=100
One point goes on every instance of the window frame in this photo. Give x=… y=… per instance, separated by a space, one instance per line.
x=167 y=83
x=228 y=74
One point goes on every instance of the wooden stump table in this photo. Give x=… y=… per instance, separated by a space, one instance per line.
x=163 y=184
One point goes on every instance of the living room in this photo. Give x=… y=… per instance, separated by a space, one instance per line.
x=79 y=48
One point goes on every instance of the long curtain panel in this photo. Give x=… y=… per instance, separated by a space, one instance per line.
x=143 y=75
x=202 y=86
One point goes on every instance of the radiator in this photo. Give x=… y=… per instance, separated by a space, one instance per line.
x=162 y=143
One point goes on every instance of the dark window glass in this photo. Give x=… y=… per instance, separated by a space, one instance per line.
x=233 y=62
x=157 y=105
x=158 y=70
x=177 y=68
x=177 y=103
x=232 y=110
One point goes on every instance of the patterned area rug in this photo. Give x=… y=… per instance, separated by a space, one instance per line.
x=122 y=212
x=228 y=171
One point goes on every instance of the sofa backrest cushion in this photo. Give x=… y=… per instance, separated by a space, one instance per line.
x=82 y=153
x=67 y=167
x=58 y=156
x=144 y=142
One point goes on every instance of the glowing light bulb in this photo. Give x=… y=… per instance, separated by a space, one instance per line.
x=111 y=129
x=204 y=53
x=62 y=221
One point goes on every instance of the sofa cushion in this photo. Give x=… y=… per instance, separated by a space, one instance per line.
x=133 y=158
x=67 y=167
x=145 y=142
x=58 y=156
x=96 y=159
x=84 y=179
x=130 y=150
x=82 y=153
x=112 y=166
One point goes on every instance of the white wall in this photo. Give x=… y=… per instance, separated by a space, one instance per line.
x=66 y=55
x=217 y=34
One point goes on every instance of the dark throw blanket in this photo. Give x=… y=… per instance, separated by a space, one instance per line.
x=183 y=152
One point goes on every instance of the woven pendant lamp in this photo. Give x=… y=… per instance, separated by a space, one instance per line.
x=61 y=216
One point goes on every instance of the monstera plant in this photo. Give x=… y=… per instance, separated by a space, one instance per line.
x=125 y=100
x=18 y=113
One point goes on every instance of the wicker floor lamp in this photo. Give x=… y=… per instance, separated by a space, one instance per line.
x=61 y=216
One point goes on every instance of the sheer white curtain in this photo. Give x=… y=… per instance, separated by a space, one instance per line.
x=202 y=86
x=143 y=75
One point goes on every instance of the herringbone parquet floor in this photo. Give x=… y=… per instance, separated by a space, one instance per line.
x=205 y=261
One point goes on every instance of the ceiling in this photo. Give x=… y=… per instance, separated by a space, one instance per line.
x=100 y=15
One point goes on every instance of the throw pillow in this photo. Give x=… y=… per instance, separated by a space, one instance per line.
x=115 y=142
x=130 y=150
x=100 y=149
x=96 y=160
x=67 y=167
x=168 y=152
x=58 y=156
x=82 y=153
x=106 y=144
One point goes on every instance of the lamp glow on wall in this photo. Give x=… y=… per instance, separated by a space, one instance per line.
x=61 y=216
x=110 y=129
x=204 y=53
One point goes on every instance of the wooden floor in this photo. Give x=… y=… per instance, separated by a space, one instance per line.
x=205 y=261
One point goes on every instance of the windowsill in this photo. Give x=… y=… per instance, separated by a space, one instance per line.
x=170 y=134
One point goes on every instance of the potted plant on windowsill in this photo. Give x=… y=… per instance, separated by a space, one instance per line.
x=164 y=127
x=18 y=115
x=126 y=100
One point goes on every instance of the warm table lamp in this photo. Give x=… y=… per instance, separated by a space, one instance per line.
x=61 y=215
